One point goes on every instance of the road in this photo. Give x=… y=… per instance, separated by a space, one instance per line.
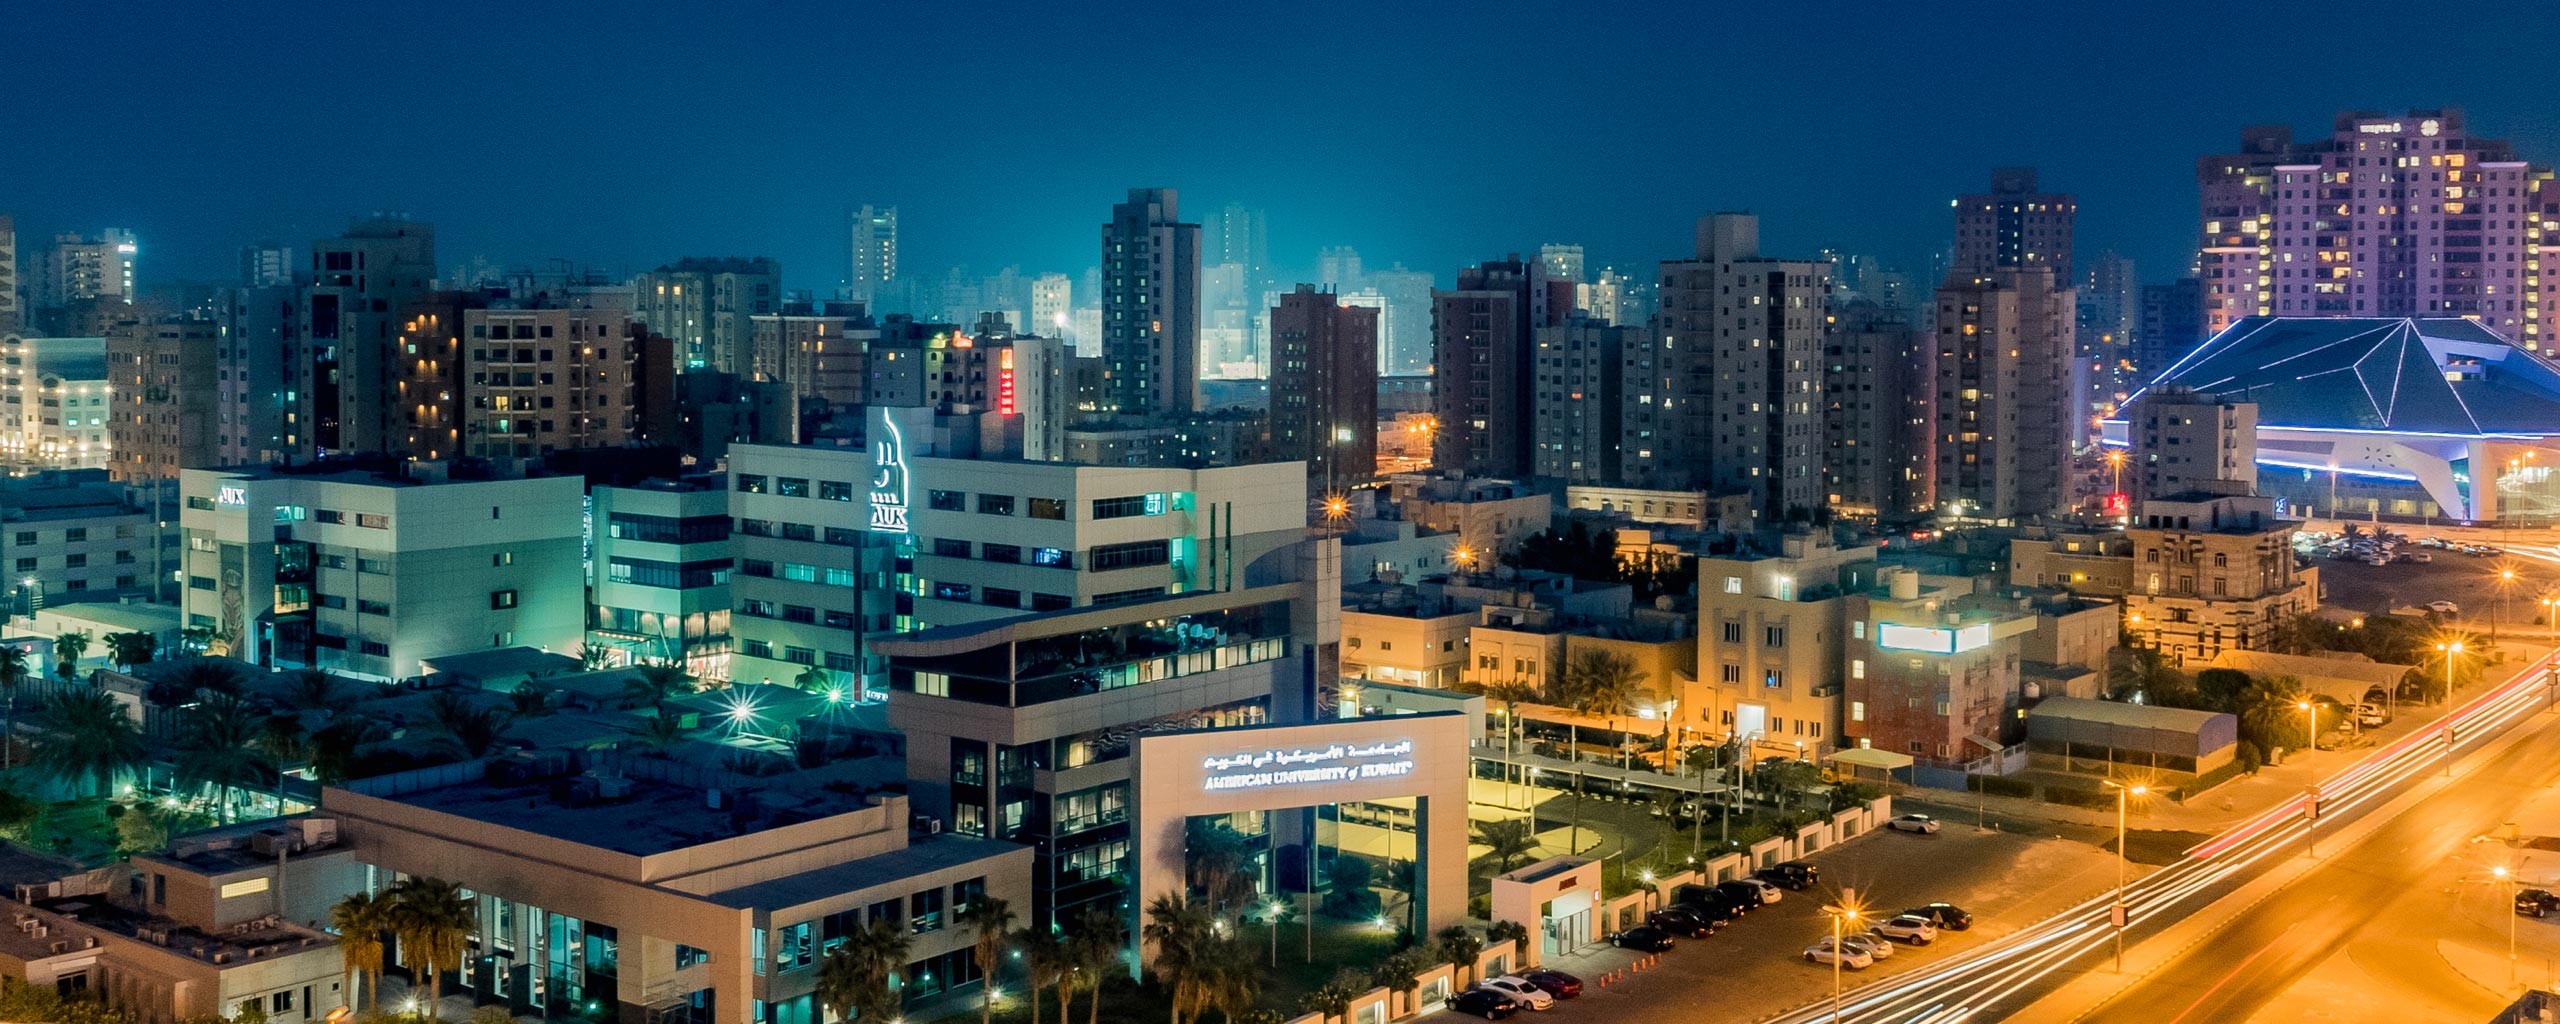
x=2390 y=894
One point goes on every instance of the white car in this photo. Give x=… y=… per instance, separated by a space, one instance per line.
x=2371 y=716
x=1911 y=928
x=1920 y=823
x=1849 y=955
x=1768 y=893
x=1876 y=945
x=1521 y=991
x=2444 y=607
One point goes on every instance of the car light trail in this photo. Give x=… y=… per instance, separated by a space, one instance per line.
x=1980 y=984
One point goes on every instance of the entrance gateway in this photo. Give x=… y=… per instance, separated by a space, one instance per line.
x=1182 y=775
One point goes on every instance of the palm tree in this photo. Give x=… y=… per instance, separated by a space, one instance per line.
x=1097 y=943
x=859 y=978
x=284 y=740
x=219 y=749
x=359 y=921
x=1514 y=933
x=131 y=649
x=88 y=737
x=433 y=921
x=663 y=731
x=529 y=700
x=314 y=690
x=814 y=679
x=1510 y=839
x=1044 y=958
x=1398 y=972
x=473 y=729
x=993 y=919
x=13 y=671
x=656 y=683
x=1511 y=693
x=333 y=749
x=1460 y=947
x=1218 y=855
x=68 y=648
x=1230 y=977
x=1333 y=998
x=1606 y=683
x=1180 y=933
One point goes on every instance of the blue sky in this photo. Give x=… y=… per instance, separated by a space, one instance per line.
x=1437 y=134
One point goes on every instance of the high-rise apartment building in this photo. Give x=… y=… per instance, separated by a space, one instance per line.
x=2388 y=215
x=2172 y=325
x=1150 y=306
x=873 y=265
x=544 y=379
x=815 y=350
x=1879 y=396
x=265 y=264
x=2006 y=420
x=12 y=315
x=707 y=307
x=367 y=285
x=2186 y=442
x=1052 y=308
x=1484 y=365
x=1404 y=331
x=1240 y=235
x=78 y=268
x=1726 y=395
x=1563 y=261
x=1574 y=404
x=1324 y=388
x=2109 y=314
x=162 y=398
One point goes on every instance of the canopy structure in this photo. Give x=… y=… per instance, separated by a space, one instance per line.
x=1865 y=757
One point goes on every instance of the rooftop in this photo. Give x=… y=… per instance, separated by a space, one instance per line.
x=923 y=855
x=2402 y=375
x=637 y=816
x=39 y=927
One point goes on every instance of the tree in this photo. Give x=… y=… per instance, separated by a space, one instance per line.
x=1460 y=948
x=656 y=683
x=1508 y=840
x=1606 y=683
x=1045 y=964
x=663 y=731
x=1347 y=890
x=68 y=649
x=218 y=749
x=992 y=918
x=1514 y=933
x=333 y=749
x=1399 y=972
x=143 y=828
x=87 y=738
x=529 y=700
x=192 y=679
x=1333 y=998
x=2150 y=679
x=315 y=690
x=474 y=730
x=284 y=740
x=1219 y=856
x=360 y=921
x=1097 y=941
x=860 y=978
x=433 y=920
x=13 y=672
x=131 y=649
x=1230 y=977
x=814 y=679
x=1180 y=932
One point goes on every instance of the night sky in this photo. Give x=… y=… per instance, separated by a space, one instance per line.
x=628 y=134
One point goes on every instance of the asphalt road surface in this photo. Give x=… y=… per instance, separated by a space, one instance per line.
x=2387 y=902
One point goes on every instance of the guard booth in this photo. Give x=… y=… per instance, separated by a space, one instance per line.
x=1558 y=899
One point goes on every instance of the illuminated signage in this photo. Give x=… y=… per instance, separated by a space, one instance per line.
x=2380 y=128
x=1928 y=640
x=2119 y=503
x=231 y=494
x=1340 y=762
x=1004 y=384
x=889 y=479
x=1155 y=503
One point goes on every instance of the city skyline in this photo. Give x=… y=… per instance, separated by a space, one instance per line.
x=1834 y=166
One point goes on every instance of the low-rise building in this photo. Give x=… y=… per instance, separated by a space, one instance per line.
x=1934 y=671
x=53 y=404
x=1773 y=623
x=1490 y=517
x=634 y=889
x=368 y=572
x=2213 y=572
x=71 y=536
x=659 y=572
x=2097 y=562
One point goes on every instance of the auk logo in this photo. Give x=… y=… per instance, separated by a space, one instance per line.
x=889 y=479
x=1337 y=763
x=231 y=495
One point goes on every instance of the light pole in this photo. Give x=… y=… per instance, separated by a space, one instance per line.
x=2509 y=877
x=2506 y=582
x=2123 y=793
x=1843 y=913
x=2333 y=492
x=2450 y=650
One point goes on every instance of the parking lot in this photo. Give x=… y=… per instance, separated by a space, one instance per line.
x=1756 y=967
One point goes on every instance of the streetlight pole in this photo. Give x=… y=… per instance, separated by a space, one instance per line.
x=1842 y=913
x=2504 y=874
x=2450 y=650
x=2123 y=793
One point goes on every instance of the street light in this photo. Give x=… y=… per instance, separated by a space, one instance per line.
x=2509 y=877
x=2506 y=582
x=1843 y=913
x=2450 y=650
x=2123 y=793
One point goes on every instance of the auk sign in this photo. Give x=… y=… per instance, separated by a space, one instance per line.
x=889 y=479
x=1340 y=762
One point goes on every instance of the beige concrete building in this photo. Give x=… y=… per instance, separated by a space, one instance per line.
x=1489 y=516
x=1392 y=633
x=546 y=379
x=815 y=350
x=53 y=403
x=161 y=398
x=2097 y=562
x=2189 y=443
x=660 y=893
x=1772 y=626
x=2212 y=573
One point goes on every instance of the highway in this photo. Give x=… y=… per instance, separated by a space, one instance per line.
x=2000 y=978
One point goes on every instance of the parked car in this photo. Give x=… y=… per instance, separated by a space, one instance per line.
x=1520 y=991
x=1877 y=946
x=1911 y=928
x=2444 y=607
x=1711 y=906
x=2376 y=694
x=1845 y=954
x=1485 y=1003
x=2371 y=715
x=1554 y=983
x=1744 y=896
x=1682 y=923
x=1920 y=823
x=1944 y=915
x=1643 y=938
x=2536 y=902
x=1768 y=893
x=2420 y=557
x=2376 y=560
x=1793 y=874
